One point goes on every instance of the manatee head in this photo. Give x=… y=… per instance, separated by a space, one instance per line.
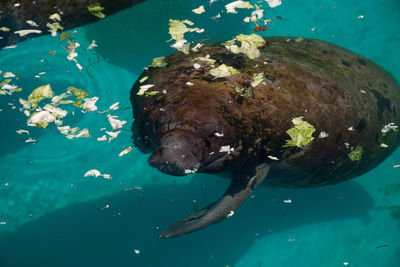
x=182 y=139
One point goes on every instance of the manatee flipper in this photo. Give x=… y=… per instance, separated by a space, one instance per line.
x=242 y=185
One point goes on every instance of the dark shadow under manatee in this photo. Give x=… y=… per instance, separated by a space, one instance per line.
x=81 y=235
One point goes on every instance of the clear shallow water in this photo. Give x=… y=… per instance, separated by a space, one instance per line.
x=51 y=210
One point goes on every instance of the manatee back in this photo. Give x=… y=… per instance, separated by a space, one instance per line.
x=338 y=92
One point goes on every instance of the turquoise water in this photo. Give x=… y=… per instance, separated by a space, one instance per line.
x=51 y=211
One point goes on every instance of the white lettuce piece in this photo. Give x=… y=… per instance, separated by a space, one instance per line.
x=41 y=119
x=103 y=138
x=94 y=172
x=257 y=79
x=8 y=74
x=32 y=23
x=90 y=104
x=274 y=3
x=22 y=131
x=114 y=106
x=22 y=33
x=231 y=7
x=199 y=10
x=112 y=135
x=125 y=151
x=57 y=112
x=115 y=123
x=55 y=17
x=144 y=88
x=25 y=104
x=64 y=129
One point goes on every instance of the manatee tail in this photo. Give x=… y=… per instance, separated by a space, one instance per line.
x=242 y=185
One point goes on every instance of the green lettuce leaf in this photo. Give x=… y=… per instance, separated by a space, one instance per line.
x=40 y=93
x=300 y=134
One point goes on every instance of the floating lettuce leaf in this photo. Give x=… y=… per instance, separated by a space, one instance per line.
x=41 y=119
x=4 y=29
x=114 y=122
x=126 y=151
x=274 y=3
x=152 y=93
x=143 y=79
x=244 y=91
x=356 y=154
x=79 y=94
x=144 y=88
x=257 y=79
x=40 y=93
x=56 y=112
x=58 y=99
x=90 y=104
x=64 y=36
x=84 y=133
x=300 y=134
x=54 y=27
x=96 y=9
x=55 y=17
x=6 y=81
x=199 y=10
x=389 y=127
x=25 y=104
x=223 y=71
x=249 y=45
x=22 y=33
x=158 y=62
x=178 y=28
x=231 y=7
x=209 y=60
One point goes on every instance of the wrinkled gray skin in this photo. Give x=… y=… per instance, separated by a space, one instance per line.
x=329 y=86
x=74 y=13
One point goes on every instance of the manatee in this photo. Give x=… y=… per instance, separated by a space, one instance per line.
x=74 y=13
x=320 y=115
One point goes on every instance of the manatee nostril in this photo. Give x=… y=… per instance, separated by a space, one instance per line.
x=174 y=158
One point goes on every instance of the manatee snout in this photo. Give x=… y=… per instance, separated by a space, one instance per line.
x=175 y=155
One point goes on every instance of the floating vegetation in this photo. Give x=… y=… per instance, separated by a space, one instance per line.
x=244 y=91
x=300 y=134
x=249 y=45
x=158 y=62
x=356 y=154
x=96 y=9
x=223 y=71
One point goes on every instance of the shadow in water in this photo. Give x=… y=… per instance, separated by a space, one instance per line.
x=82 y=235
